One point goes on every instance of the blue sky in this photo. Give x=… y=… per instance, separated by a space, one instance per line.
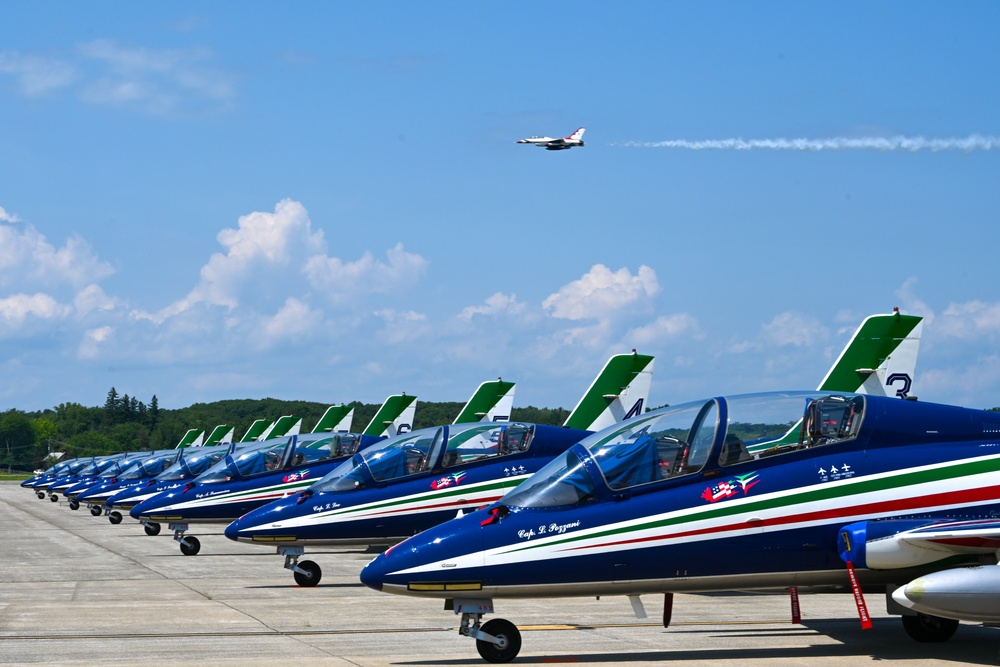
x=324 y=201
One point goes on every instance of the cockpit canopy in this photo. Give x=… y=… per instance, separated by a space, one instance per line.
x=149 y=467
x=277 y=454
x=682 y=440
x=193 y=464
x=423 y=450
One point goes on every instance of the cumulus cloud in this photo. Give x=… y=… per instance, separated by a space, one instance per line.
x=14 y=310
x=295 y=321
x=27 y=258
x=7 y=217
x=262 y=248
x=339 y=280
x=497 y=304
x=93 y=298
x=601 y=292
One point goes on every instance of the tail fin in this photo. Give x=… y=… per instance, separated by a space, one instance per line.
x=880 y=359
x=620 y=391
x=256 y=429
x=286 y=425
x=193 y=438
x=337 y=419
x=394 y=417
x=219 y=434
x=578 y=134
x=491 y=402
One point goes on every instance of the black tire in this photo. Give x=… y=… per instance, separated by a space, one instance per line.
x=151 y=528
x=54 y=498
x=190 y=546
x=311 y=576
x=74 y=505
x=40 y=494
x=927 y=628
x=95 y=510
x=510 y=641
x=115 y=518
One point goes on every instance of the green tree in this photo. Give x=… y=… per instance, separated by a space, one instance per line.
x=153 y=414
x=17 y=440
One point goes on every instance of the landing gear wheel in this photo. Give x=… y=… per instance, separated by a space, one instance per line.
x=74 y=505
x=509 y=645
x=927 y=628
x=40 y=494
x=311 y=576
x=54 y=498
x=95 y=511
x=152 y=528
x=190 y=546
x=115 y=518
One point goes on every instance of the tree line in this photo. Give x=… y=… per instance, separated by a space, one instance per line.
x=125 y=423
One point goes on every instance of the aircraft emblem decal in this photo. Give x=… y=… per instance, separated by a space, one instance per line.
x=448 y=480
x=295 y=476
x=730 y=487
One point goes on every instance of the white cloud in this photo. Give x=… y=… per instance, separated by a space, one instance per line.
x=92 y=342
x=37 y=75
x=28 y=259
x=14 y=310
x=793 y=329
x=601 y=292
x=972 y=320
x=295 y=321
x=497 y=304
x=663 y=328
x=262 y=257
x=340 y=280
x=402 y=326
x=92 y=298
x=104 y=72
x=157 y=80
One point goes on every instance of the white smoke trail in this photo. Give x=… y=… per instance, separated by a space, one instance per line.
x=975 y=142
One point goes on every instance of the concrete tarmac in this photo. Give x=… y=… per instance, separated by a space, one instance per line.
x=76 y=590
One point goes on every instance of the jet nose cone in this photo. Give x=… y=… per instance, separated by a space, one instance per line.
x=373 y=574
x=233 y=530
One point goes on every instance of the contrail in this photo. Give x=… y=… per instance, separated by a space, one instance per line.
x=975 y=142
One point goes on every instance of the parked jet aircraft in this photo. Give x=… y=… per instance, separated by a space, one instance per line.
x=143 y=465
x=335 y=419
x=873 y=495
x=176 y=476
x=412 y=482
x=142 y=471
x=236 y=486
x=549 y=143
